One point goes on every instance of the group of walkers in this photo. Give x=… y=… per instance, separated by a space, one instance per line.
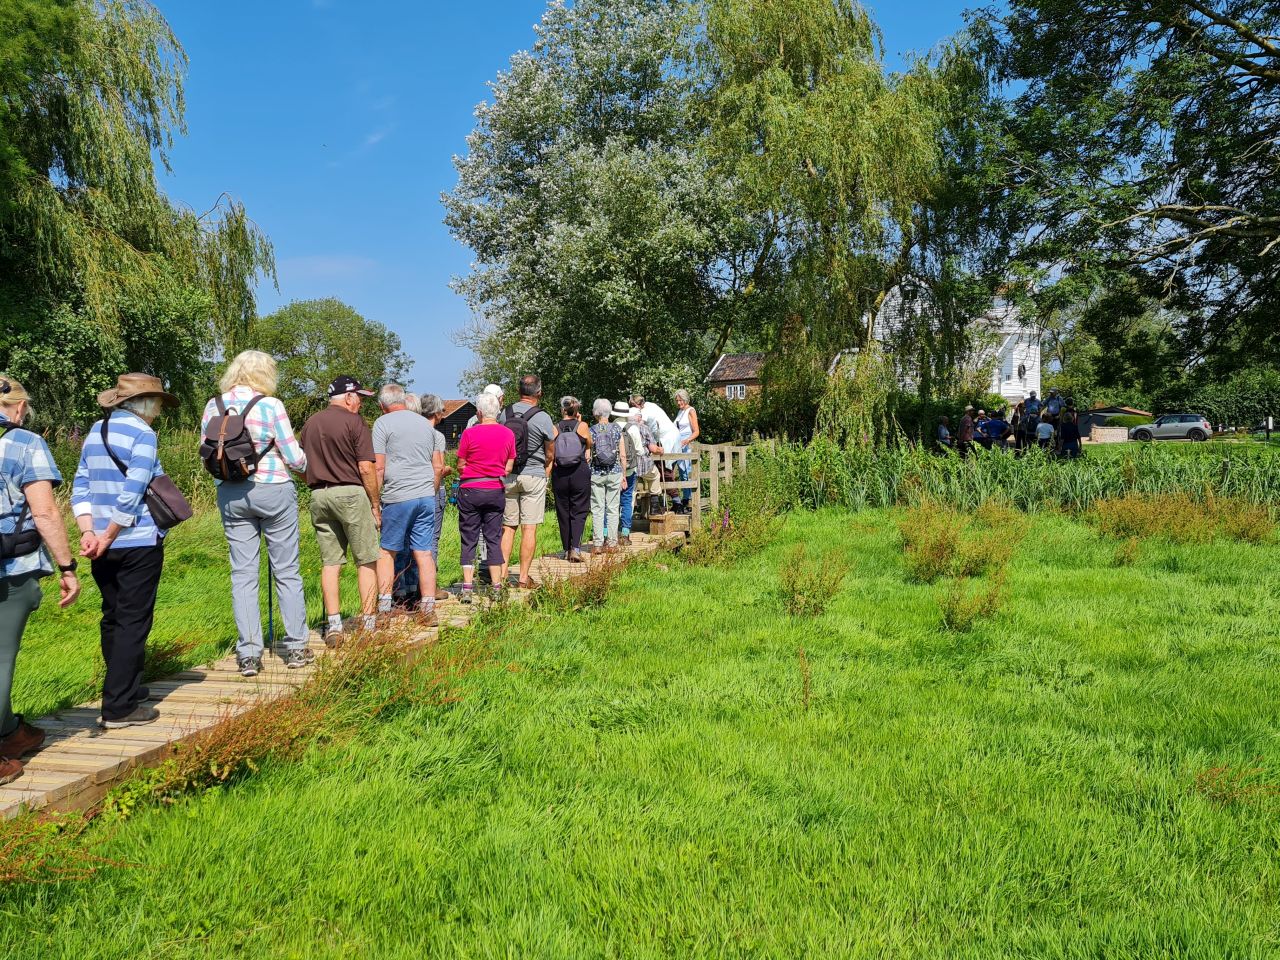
x=1052 y=424
x=376 y=494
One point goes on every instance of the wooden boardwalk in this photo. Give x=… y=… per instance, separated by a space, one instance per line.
x=80 y=762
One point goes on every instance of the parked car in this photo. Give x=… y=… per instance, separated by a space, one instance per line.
x=1174 y=426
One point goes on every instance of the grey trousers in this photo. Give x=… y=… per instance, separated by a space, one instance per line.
x=606 y=493
x=19 y=597
x=251 y=511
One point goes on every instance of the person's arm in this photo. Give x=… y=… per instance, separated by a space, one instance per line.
x=48 y=520
x=287 y=445
x=438 y=468
x=693 y=425
x=622 y=456
x=372 y=488
x=380 y=468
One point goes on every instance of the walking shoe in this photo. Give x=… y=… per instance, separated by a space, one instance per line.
x=22 y=741
x=139 y=716
x=468 y=592
x=302 y=657
x=10 y=770
x=625 y=540
x=442 y=595
x=249 y=666
x=334 y=639
x=426 y=618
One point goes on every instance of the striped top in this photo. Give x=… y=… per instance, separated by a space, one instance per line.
x=24 y=459
x=266 y=421
x=101 y=491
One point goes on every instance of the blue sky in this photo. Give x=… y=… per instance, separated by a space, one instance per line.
x=335 y=122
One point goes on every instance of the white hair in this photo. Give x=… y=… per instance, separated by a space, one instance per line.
x=148 y=408
x=636 y=416
x=412 y=403
x=487 y=406
x=602 y=408
x=432 y=405
x=494 y=390
x=682 y=395
x=391 y=394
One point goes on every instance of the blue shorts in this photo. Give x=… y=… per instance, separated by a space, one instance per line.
x=409 y=524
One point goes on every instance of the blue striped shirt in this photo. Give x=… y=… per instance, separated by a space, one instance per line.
x=24 y=459
x=101 y=491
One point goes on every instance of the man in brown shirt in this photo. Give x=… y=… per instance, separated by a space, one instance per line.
x=344 y=499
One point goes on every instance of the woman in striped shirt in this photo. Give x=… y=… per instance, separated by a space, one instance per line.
x=264 y=506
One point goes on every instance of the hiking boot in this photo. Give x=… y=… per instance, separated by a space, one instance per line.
x=334 y=638
x=442 y=595
x=467 y=595
x=22 y=741
x=656 y=507
x=10 y=770
x=624 y=541
x=249 y=666
x=139 y=716
x=577 y=557
x=426 y=618
x=302 y=657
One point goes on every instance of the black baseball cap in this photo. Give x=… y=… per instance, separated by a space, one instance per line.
x=348 y=385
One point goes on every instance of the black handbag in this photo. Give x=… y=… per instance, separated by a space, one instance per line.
x=20 y=543
x=165 y=502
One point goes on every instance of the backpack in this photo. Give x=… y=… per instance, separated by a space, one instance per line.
x=570 y=447
x=520 y=427
x=608 y=439
x=226 y=450
x=20 y=543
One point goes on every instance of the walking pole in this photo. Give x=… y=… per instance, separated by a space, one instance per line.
x=271 y=606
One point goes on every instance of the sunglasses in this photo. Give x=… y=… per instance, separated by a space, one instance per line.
x=5 y=387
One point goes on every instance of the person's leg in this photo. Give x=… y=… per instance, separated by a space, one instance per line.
x=510 y=521
x=367 y=578
x=19 y=598
x=469 y=530
x=561 y=485
x=421 y=534
x=626 y=500
x=442 y=501
x=106 y=572
x=279 y=508
x=612 y=491
x=137 y=580
x=533 y=506
x=330 y=591
x=331 y=537
x=493 y=522
x=394 y=536
x=581 y=504
x=597 y=509
x=682 y=473
x=241 y=523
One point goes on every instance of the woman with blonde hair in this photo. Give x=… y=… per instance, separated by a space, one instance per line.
x=32 y=540
x=261 y=504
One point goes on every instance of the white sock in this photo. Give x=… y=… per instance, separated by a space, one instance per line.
x=384 y=603
x=335 y=622
x=370 y=622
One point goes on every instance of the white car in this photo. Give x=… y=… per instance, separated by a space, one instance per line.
x=1174 y=426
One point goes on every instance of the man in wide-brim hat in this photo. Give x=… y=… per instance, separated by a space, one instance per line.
x=134 y=385
x=120 y=537
x=642 y=480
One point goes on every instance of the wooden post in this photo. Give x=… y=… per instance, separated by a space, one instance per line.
x=695 y=475
x=714 y=463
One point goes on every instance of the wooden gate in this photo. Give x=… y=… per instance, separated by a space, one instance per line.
x=722 y=461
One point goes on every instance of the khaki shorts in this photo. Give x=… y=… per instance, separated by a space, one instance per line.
x=648 y=483
x=343 y=517
x=526 y=500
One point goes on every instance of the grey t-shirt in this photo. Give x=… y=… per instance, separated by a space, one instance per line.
x=539 y=430
x=407 y=440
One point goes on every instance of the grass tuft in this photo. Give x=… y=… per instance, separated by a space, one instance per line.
x=47 y=848
x=809 y=583
x=963 y=607
x=1181 y=518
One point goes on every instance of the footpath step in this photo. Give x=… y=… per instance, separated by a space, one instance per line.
x=80 y=761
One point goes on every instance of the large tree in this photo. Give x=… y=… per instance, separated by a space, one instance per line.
x=92 y=254
x=315 y=341
x=1141 y=147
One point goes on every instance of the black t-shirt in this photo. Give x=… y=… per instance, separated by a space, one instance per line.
x=1068 y=430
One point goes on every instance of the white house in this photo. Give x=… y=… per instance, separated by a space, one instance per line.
x=1006 y=345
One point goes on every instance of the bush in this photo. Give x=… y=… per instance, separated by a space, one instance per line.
x=582 y=591
x=747 y=521
x=1181 y=518
x=963 y=607
x=1128 y=421
x=809 y=583
x=930 y=541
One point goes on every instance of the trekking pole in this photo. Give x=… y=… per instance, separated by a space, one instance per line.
x=271 y=606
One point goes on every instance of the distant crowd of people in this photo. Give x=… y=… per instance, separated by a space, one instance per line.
x=1052 y=424
x=377 y=494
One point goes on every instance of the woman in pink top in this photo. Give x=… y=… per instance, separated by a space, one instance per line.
x=486 y=453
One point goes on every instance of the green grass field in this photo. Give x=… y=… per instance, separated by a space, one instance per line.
x=658 y=778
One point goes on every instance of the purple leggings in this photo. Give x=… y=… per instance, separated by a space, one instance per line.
x=480 y=512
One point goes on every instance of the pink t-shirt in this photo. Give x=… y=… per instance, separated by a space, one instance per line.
x=485 y=449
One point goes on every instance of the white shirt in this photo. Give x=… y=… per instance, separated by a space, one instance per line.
x=662 y=426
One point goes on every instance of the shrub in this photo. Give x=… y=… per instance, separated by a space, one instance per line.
x=1128 y=421
x=963 y=607
x=1181 y=518
x=1127 y=552
x=1227 y=785
x=747 y=521
x=983 y=551
x=582 y=591
x=930 y=541
x=809 y=583
x=46 y=848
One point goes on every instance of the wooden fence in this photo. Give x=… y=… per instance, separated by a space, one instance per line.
x=723 y=461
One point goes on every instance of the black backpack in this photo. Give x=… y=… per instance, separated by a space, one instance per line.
x=21 y=542
x=520 y=427
x=227 y=450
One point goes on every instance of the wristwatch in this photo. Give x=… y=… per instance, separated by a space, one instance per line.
x=67 y=568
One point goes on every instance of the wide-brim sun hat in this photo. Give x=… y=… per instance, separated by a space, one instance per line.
x=621 y=410
x=130 y=386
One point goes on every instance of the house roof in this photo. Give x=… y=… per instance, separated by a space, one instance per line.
x=453 y=406
x=1122 y=411
x=737 y=366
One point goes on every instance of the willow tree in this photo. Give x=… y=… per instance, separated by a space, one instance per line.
x=93 y=256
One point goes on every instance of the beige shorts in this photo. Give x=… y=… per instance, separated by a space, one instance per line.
x=343 y=518
x=648 y=483
x=526 y=500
